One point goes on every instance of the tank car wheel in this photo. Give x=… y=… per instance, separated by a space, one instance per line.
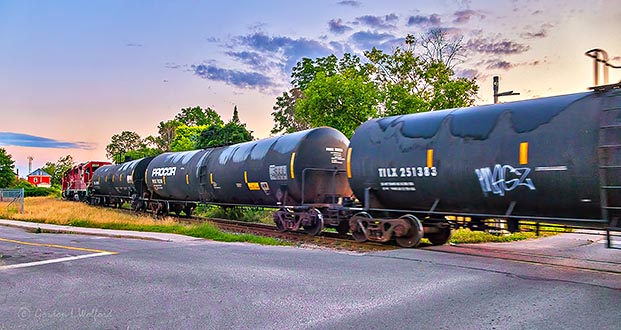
x=279 y=219
x=315 y=222
x=357 y=231
x=441 y=237
x=414 y=235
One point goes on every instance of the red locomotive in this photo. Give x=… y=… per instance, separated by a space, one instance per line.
x=76 y=179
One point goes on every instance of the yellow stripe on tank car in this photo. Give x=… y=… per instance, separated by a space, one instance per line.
x=187 y=179
x=430 y=158
x=523 y=153
x=348 y=162
x=164 y=178
x=291 y=165
x=245 y=177
x=211 y=178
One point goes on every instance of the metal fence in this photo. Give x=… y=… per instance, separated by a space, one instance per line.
x=12 y=199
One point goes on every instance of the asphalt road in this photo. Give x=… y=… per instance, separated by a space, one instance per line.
x=114 y=283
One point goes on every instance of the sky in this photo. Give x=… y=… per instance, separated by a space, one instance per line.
x=74 y=73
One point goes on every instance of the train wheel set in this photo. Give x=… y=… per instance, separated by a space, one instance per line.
x=555 y=160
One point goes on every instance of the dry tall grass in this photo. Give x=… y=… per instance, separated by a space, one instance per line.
x=60 y=212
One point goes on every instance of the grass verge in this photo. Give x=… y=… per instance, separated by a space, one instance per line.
x=467 y=236
x=53 y=211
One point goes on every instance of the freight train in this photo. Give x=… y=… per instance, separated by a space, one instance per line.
x=76 y=179
x=554 y=159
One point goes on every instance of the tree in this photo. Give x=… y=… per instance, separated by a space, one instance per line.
x=284 y=113
x=231 y=133
x=342 y=93
x=123 y=143
x=342 y=101
x=167 y=131
x=186 y=138
x=7 y=168
x=196 y=116
x=347 y=95
x=235 y=118
x=419 y=76
x=56 y=170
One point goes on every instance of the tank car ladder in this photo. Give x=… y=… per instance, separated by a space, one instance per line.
x=609 y=154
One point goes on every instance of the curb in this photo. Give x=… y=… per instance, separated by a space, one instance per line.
x=59 y=229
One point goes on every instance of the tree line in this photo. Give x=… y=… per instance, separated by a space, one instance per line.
x=192 y=128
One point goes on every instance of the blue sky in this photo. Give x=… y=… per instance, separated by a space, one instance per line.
x=76 y=72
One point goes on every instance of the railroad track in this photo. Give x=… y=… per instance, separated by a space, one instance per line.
x=324 y=239
x=327 y=239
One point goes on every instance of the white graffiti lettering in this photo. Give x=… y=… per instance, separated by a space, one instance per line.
x=503 y=178
x=164 y=171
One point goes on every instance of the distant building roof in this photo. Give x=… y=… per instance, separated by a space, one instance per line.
x=39 y=172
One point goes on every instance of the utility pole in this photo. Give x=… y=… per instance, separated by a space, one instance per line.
x=496 y=83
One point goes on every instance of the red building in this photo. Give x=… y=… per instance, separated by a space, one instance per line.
x=40 y=178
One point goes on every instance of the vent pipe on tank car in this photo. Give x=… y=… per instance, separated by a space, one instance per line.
x=600 y=56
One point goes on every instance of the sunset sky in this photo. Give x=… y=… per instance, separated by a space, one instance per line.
x=73 y=73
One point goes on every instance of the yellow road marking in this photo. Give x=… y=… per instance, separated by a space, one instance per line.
x=57 y=246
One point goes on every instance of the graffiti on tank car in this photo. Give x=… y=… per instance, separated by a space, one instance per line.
x=406 y=172
x=504 y=178
x=164 y=171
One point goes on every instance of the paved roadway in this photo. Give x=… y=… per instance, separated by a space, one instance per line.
x=62 y=281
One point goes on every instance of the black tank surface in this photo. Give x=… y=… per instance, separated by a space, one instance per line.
x=303 y=167
x=536 y=158
x=174 y=175
x=121 y=180
x=100 y=184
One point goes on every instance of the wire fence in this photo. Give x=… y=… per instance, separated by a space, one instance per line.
x=12 y=200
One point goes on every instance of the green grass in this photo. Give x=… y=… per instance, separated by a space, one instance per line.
x=54 y=211
x=207 y=231
x=247 y=214
x=466 y=236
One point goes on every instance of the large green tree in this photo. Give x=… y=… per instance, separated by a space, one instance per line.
x=342 y=101
x=233 y=132
x=57 y=169
x=7 y=166
x=187 y=137
x=197 y=116
x=167 y=131
x=420 y=76
x=328 y=91
x=120 y=144
x=284 y=113
x=342 y=93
